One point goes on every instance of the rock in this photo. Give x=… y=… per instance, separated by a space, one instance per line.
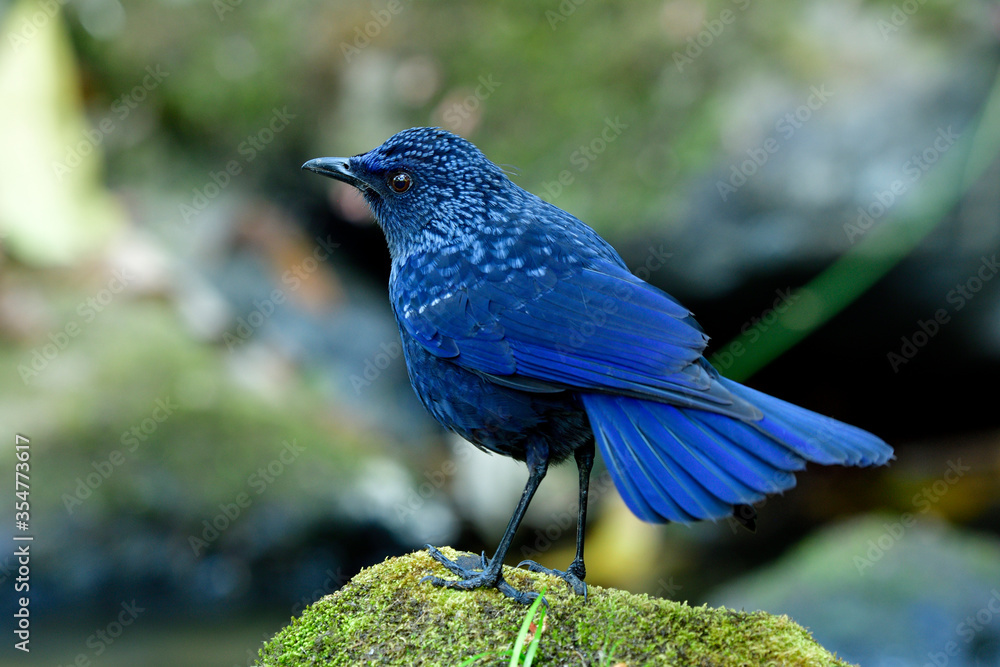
x=887 y=590
x=385 y=616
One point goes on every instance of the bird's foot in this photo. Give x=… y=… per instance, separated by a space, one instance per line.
x=476 y=573
x=573 y=575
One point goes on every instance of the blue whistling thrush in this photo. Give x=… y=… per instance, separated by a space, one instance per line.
x=525 y=333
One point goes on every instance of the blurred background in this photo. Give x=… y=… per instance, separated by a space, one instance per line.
x=196 y=339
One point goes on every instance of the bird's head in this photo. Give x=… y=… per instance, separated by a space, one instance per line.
x=424 y=186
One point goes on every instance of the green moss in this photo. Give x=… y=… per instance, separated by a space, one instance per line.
x=386 y=616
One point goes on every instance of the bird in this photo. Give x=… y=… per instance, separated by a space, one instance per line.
x=524 y=332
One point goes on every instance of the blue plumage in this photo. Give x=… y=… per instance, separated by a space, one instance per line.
x=524 y=332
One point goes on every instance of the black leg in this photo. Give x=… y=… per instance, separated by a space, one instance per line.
x=577 y=570
x=585 y=463
x=491 y=575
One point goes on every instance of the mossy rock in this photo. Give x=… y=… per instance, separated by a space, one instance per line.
x=385 y=616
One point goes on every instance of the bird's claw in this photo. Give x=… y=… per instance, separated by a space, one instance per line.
x=464 y=566
x=571 y=575
x=475 y=572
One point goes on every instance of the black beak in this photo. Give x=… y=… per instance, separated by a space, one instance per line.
x=334 y=167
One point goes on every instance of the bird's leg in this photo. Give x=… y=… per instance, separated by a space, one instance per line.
x=577 y=571
x=491 y=574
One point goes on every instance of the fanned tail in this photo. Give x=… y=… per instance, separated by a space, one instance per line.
x=685 y=464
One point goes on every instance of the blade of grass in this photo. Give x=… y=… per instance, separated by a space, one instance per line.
x=523 y=633
x=529 y=656
x=608 y=653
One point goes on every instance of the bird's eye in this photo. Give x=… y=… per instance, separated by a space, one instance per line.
x=400 y=182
